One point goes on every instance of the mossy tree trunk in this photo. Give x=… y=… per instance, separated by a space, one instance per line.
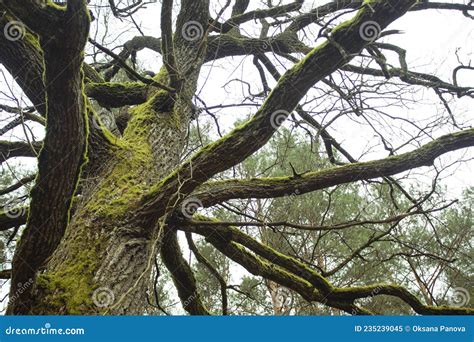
x=104 y=246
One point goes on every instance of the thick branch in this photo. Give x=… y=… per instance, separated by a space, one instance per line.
x=295 y=275
x=116 y=95
x=276 y=187
x=63 y=152
x=182 y=274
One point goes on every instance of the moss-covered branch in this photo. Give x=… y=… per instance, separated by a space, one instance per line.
x=181 y=273
x=261 y=267
x=64 y=148
x=220 y=191
x=115 y=95
x=233 y=234
x=298 y=276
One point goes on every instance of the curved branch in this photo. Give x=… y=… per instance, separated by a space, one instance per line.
x=124 y=65
x=181 y=273
x=399 y=292
x=216 y=192
x=297 y=276
x=63 y=153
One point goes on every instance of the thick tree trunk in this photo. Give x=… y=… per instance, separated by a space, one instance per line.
x=104 y=261
x=104 y=249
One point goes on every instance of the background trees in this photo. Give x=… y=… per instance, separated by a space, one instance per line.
x=270 y=158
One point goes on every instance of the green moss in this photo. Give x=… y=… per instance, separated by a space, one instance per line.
x=124 y=184
x=121 y=189
x=70 y=290
x=279 y=260
x=118 y=86
x=162 y=102
x=33 y=40
x=162 y=76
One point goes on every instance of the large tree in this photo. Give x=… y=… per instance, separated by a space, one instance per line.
x=116 y=180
